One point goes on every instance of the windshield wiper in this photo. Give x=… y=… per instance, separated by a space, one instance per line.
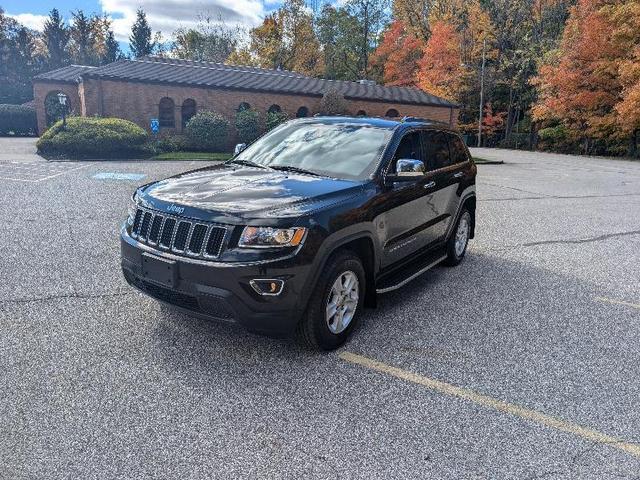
x=290 y=168
x=249 y=163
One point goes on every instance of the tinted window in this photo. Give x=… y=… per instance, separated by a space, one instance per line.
x=409 y=147
x=458 y=152
x=341 y=149
x=436 y=150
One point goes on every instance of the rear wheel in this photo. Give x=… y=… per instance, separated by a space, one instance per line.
x=457 y=243
x=336 y=304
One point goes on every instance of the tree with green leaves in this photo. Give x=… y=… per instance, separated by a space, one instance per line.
x=211 y=40
x=18 y=61
x=55 y=36
x=286 y=40
x=140 y=42
x=372 y=17
x=337 y=33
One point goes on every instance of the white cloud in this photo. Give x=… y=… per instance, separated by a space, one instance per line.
x=29 y=20
x=168 y=15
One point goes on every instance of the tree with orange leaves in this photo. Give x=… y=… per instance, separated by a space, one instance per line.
x=626 y=34
x=441 y=72
x=582 y=83
x=398 y=55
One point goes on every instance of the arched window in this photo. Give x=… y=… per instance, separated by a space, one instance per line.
x=53 y=109
x=392 y=113
x=274 y=109
x=302 y=112
x=243 y=106
x=166 y=115
x=361 y=113
x=188 y=110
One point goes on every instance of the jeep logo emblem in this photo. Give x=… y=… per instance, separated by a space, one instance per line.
x=175 y=209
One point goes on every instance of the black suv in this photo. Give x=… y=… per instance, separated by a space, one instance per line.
x=301 y=230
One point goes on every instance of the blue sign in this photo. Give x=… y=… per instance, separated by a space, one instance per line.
x=155 y=125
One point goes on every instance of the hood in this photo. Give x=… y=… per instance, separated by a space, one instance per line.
x=244 y=191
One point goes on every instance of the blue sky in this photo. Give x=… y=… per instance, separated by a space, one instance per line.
x=163 y=15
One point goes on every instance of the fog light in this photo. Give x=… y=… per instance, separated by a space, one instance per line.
x=267 y=286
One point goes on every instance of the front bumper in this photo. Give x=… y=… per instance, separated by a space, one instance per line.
x=222 y=290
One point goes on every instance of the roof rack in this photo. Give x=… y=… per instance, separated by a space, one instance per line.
x=420 y=119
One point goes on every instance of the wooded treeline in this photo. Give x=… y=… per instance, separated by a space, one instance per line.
x=562 y=75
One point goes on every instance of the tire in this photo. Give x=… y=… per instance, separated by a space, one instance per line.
x=317 y=331
x=459 y=240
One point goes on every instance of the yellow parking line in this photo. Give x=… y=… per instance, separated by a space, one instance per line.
x=618 y=302
x=490 y=402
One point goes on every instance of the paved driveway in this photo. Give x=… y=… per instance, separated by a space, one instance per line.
x=520 y=363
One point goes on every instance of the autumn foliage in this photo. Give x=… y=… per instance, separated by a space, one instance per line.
x=591 y=84
x=440 y=71
x=398 y=53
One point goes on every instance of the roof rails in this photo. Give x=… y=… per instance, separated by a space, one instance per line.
x=419 y=119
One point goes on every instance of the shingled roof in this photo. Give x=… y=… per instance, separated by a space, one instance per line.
x=68 y=74
x=217 y=75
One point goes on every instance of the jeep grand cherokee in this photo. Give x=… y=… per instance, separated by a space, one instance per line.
x=301 y=230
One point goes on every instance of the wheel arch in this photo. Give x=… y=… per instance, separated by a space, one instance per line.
x=470 y=204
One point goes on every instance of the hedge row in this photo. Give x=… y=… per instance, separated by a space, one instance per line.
x=93 y=137
x=17 y=120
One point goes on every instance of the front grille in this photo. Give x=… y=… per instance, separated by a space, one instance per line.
x=178 y=235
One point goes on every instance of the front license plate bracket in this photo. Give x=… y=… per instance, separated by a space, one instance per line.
x=159 y=270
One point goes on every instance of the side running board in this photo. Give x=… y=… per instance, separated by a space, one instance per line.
x=406 y=274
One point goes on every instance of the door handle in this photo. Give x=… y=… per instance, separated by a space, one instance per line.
x=458 y=175
x=430 y=184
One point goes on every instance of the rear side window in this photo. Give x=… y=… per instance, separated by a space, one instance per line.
x=458 y=152
x=436 y=149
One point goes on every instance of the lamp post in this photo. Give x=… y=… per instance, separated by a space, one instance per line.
x=62 y=98
x=484 y=48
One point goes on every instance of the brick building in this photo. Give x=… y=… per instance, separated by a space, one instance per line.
x=173 y=90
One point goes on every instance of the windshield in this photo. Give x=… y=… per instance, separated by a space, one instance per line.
x=341 y=149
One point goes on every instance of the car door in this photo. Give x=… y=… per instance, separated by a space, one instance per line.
x=437 y=155
x=461 y=172
x=406 y=224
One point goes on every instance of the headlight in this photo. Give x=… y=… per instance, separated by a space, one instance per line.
x=265 y=237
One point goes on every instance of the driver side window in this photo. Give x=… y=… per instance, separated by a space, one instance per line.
x=409 y=147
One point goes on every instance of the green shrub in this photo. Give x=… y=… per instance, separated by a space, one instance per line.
x=17 y=120
x=208 y=131
x=170 y=143
x=274 y=119
x=333 y=103
x=556 y=139
x=247 y=125
x=93 y=137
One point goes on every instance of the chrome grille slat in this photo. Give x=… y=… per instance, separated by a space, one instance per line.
x=160 y=230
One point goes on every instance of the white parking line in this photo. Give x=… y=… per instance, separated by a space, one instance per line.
x=34 y=172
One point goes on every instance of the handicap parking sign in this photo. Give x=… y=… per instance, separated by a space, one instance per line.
x=155 y=125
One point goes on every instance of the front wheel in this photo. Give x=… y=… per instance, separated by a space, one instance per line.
x=335 y=306
x=457 y=243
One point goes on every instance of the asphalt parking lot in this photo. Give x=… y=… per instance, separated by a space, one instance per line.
x=521 y=363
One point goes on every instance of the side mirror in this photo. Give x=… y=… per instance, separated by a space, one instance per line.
x=239 y=148
x=407 y=169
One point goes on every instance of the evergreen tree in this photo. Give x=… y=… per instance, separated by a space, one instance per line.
x=140 y=42
x=83 y=48
x=56 y=38
x=112 y=49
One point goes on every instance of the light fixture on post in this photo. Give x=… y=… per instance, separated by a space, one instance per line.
x=62 y=98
